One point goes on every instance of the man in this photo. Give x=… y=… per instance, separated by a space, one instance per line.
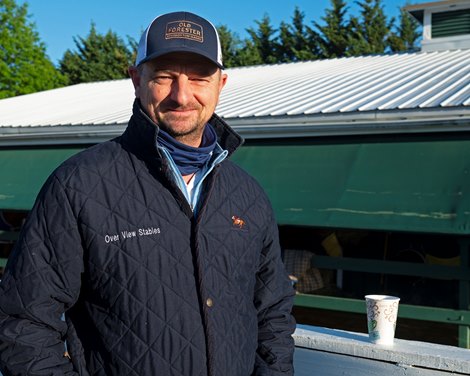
x=162 y=254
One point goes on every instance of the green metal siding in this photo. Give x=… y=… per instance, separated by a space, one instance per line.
x=24 y=171
x=448 y=24
x=418 y=185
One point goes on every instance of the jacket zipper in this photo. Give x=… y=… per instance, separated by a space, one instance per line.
x=194 y=246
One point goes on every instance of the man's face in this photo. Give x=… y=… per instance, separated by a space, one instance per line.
x=179 y=91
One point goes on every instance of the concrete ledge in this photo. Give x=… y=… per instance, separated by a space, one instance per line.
x=407 y=353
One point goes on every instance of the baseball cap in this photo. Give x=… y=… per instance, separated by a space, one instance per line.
x=180 y=32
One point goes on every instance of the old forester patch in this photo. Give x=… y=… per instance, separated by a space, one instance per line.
x=184 y=30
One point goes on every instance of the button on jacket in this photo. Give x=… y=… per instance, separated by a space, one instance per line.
x=146 y=287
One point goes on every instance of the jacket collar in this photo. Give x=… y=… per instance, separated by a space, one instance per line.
x=141 y=133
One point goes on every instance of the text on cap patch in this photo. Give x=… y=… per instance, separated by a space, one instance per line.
x=184 y=30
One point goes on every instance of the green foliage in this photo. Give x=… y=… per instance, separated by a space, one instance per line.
x=24 y=65
x=230 y=46
x=262 y=49
x=334 y=37
x=98 y=58
x=370 y=33
x=297 y=42
x=406 y=34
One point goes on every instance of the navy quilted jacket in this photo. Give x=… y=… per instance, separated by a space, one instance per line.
x=147 y=289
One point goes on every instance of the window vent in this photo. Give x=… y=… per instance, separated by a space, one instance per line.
x=448 y=24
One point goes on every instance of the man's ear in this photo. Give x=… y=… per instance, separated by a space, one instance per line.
x=135 y=77
x=222 y=81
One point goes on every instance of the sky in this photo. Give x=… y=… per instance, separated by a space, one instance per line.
x=59 y=21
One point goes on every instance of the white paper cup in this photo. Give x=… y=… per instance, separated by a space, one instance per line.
x=382 y=313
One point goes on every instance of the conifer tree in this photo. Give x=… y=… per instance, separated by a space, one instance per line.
x=24 y=66
x=230 y=43
x=248 y=54
x=297 y=42
x=406 y=34
x=334 y=36
x=261 y=48
x=371 y=31
x=98 y=58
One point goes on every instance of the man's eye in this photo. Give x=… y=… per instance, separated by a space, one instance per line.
x=162 y=79
x=199 y=79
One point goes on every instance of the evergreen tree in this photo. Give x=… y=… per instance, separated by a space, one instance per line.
x=297 y=42
x=334 y=36
x=262 y=46
x=133 y=45
x=406 y=35
x=24 y=65
x=370 y=33
x=98 y=58
x=248 y=54
x=230 y=46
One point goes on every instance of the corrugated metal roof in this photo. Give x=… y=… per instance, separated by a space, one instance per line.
x=386 y=82
x=106 y=102
x=383 y=88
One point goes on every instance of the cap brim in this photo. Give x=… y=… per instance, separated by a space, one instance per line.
x=185 y=49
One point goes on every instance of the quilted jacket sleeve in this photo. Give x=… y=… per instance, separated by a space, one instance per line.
x=41 y=281
x=274 y=297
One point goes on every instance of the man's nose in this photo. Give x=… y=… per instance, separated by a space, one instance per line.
x=181 y=90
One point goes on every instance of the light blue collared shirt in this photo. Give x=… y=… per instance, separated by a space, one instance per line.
x=218 y=155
